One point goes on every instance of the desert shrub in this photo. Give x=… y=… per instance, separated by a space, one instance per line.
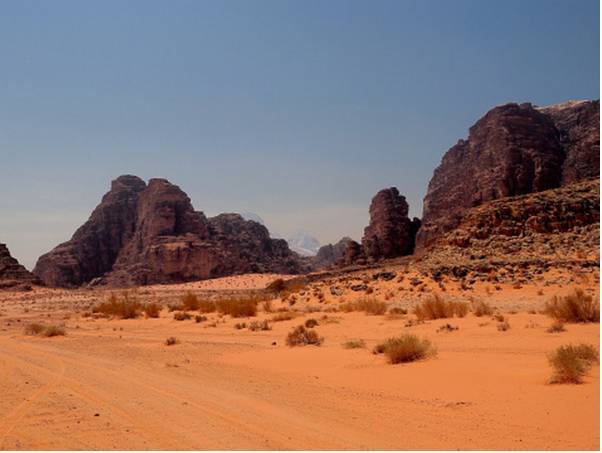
x=556 y=327
x=447 y=328
x=276 y=286
x=34 y=328
x=171 y=341
x=206 y=306
x=480 y=308
x=237 y=307
x=284 y=316
x=398 y=311
x=200 y=318
x=189 y=302
x=126 y=307
x=503 y=326
x=435 y=307
x=571 y=363
x=267 y=306
x=354 y=344
x=300 y=336
x=368 y=305
x=152 y=310
x=574 y=307
x=240 y=325
x=311 y=322
x=260 y=325
x=406 y=348
x=499 y=318
x=182 y=316
x=44 y=330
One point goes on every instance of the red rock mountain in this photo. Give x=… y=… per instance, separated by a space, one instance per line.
x=330 y=254
x=12 y=274
x=513 y=150
x=144 y=234
x=390 y=232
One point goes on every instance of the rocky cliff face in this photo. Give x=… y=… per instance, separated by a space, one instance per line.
x=513 y=150
x=144 y=234
x=578 y=124
x=12 y=274
x=554 y=228
x=330 y=254
x=390 y=232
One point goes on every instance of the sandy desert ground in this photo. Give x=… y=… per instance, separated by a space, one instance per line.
x=115 y=384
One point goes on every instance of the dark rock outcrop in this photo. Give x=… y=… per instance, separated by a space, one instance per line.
x=390 y=232
x=143 y=234
x=330 y=254
x=556 y=228
x=13 y=274
x=94 y=247
x=578 y=123
x=513 y=150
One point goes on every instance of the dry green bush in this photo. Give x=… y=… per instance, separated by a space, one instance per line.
x=126 y=307
x=182 y=316
x=406 y=348
x=238 y=307
x=44 y=330
x=152 y=310
x=354 y=344
x=300 y=336
x=503 y=326
x=571 y=363
x=368 y=305
x=190 y=302
x=480 y=308
x=171 y=341
x=311 y=322
x=435 y=307
x=556 y=327
x=259 y=325
x=284 y=316
x=574 y=307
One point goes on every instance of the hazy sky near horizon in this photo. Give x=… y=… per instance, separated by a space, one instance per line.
x=299 y=111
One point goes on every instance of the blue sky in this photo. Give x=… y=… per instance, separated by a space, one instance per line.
x=299 y=111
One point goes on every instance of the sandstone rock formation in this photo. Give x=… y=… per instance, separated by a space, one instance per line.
x=13 y=274
x=554 y=228
x=390 y=232
x=144 y=234
x=578 y=123
x=328 y=255
x=513 y=150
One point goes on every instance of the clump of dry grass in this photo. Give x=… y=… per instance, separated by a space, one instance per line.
x=190 y=302
x=480 y=308
x=503 y=326
x=556 y=327
x=200 y=318
x=182 y=316
x=447 y=328
x=300 y=336
x=259 y=325
x=284 y=316
x=311 y=322
x=577 y=306
x=126 y=307
x=571 y=363
x=152 y=310
x=354 y=344
x=406 y=348
x=171 y=341
x=238 y=307
x=44 y=330
x=435 y=307
x=368 y=305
